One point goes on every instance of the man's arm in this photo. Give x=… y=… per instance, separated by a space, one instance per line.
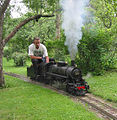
x=35 y=57
x=46 y=54
x=31 y=54
x=47 y=59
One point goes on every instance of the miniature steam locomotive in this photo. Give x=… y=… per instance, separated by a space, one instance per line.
x=52 y=72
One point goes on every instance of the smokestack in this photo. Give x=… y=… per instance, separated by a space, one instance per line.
x=72 y=63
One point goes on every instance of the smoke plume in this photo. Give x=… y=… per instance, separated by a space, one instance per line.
x=73 y=14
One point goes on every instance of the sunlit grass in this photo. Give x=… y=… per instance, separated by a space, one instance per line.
x=9 y=66
x=25 y=101
x=104 y=86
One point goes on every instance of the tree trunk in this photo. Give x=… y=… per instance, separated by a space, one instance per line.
x=3 y=7
x=2 y=83
x=58 y=17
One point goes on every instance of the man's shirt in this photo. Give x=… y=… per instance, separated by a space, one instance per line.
x=40 y=52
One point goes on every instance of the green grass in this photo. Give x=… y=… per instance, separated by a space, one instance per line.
x=25 y=101
x=104 y=86
x=9 y=66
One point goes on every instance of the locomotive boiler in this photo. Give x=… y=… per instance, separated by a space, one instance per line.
x=52 y=72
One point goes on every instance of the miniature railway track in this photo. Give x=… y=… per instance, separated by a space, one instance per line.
x=106 y=110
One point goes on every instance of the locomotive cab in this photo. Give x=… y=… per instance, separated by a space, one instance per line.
x=41 y=70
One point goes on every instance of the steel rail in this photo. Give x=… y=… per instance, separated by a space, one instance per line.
x=100 y=109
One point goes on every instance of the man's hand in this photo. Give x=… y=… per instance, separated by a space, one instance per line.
x=47 y=59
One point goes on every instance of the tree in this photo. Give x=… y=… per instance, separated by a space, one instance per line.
x=51 y=5
x=105 y=10
x=58 y=19
x=3 y=7
x=97 y=48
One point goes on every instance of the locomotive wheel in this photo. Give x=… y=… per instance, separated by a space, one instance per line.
x=70 y=89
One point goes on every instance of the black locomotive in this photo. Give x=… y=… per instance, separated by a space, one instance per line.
x=52 y=72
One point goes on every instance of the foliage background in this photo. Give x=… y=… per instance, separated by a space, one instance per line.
x=97 y=49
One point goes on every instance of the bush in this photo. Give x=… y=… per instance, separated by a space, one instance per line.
x=19 y=58
x=110 y=59
x=7 y=53
x=92 y=50
x=57 y=49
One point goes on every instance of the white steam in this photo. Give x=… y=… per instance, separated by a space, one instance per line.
x=73 y=12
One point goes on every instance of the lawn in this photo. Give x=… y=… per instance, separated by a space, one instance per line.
x=9 y=66
x=104 y=86
x=25 y=101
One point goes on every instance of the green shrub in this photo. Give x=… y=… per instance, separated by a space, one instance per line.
x=7 y=53
x=19 y=58
x=110 y=59
x=57 y=49
x=93 y=49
